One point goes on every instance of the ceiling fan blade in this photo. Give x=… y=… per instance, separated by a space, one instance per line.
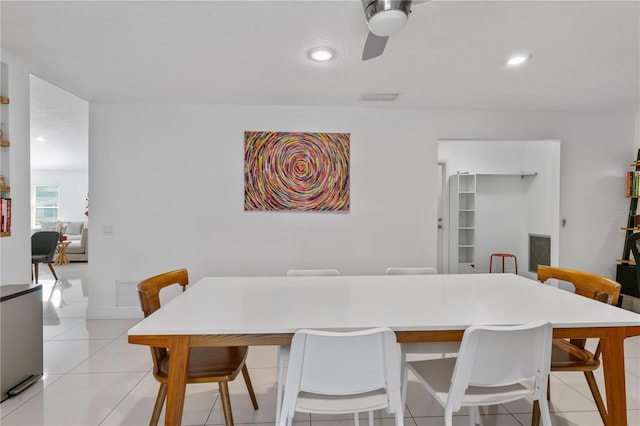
x=374 y=46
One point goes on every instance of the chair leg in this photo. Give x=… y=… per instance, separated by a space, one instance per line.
x=549 y=389
x=157 y=409
x=52 y=270
x=472 y=417
x=399 y=418
x=448 y=417
x=370 y=418
x=404 y=375
x=279 y=384
x=35 y=271
x=476 y=413
x=225 y=400
x=545 y=416
x=593 y=386
x=535 y=414
x=247 y=381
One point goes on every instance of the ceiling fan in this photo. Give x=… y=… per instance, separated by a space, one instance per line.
x=384 y=18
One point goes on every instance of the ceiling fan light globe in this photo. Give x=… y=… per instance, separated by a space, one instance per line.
x=387 y=22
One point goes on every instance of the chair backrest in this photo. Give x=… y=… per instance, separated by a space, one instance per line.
x=149 y=292
x=149 y=289
x=312 y=272
x=45 y=243
x=411 y=271
x=493 y=356
x=586 y=284
x=342 y=363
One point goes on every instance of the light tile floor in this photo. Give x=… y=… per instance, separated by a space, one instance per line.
x=94 y=377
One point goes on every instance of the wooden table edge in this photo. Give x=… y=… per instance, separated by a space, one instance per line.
x=404 y=336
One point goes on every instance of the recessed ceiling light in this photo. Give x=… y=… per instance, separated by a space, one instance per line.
x=519 y=59
x=41 y=139
x=321 y=54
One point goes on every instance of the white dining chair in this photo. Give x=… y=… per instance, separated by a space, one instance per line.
x=424 y=348
x=283 y=351
x=411 y=271
x=312 y=272
x=343 y=372
x=495 y=365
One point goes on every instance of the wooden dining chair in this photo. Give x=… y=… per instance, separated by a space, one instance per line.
x=571 y=355
x=206 y=364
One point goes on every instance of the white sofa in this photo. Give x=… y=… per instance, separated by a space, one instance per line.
x=77 y=233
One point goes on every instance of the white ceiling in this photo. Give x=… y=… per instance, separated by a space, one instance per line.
x=63 y=120
x=450 y=54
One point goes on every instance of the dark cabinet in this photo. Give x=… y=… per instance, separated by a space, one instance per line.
x=21 y=360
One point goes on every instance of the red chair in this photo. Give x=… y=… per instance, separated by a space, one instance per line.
x=503 y=255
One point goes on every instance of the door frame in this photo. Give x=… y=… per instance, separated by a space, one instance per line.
x=442 y=255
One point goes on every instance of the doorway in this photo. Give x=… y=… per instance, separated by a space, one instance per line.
x=517 y=190
x=442 y=234
x=59 y=155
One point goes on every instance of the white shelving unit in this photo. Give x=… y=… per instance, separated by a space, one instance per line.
x=462 y=222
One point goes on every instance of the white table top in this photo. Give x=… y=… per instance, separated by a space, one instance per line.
x=264 y=305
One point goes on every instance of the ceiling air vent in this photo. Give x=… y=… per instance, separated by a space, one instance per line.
x=379 y=97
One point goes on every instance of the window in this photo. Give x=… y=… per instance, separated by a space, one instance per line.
x=46 y=199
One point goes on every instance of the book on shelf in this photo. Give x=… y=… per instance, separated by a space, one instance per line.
x=633 y=184
x=5 y=209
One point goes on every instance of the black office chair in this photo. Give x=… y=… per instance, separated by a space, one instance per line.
x=634 y=244
x=43 y=248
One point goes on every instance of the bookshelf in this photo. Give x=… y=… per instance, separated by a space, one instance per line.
x=5 y=145
x=625 y=268
x=462 y=222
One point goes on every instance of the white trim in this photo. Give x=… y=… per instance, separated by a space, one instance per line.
x=442 y=256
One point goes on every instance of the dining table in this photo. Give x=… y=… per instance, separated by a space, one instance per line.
x=268 y=310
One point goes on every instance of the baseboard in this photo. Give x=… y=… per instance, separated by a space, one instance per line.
x=125 y=312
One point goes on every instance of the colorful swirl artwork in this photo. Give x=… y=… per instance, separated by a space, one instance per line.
x=296 y=171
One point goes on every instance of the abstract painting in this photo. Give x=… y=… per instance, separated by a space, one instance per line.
x=296 y=171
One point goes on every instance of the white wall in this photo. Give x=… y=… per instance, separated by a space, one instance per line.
x=168 y=180
x=15 y=251
x=73 y=187
x=501 y=220
x=543 y=207
x=484 y=156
